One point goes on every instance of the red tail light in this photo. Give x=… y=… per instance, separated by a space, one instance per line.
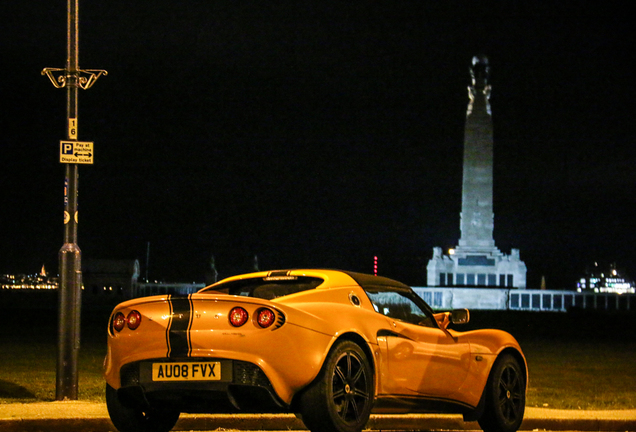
x=119 y=321
x=238 y=316
x=265 y=318
x=134 y=319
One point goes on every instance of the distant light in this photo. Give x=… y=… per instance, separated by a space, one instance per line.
x=375 y=266
x=451 y=251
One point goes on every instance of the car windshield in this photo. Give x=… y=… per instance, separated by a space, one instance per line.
x=400 y=305
x=267 y=288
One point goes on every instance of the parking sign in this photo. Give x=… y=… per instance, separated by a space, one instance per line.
x=76 y=152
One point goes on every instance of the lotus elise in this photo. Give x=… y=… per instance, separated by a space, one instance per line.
x=330 y=346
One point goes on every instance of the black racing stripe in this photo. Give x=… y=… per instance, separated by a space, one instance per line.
x=178 y=334
x=169 y=326
x=191 y=303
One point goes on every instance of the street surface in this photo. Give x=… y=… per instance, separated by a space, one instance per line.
x=86 y=416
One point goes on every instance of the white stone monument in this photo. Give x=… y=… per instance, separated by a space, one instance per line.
x=477 y=261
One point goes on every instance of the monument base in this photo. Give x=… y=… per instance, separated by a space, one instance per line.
x=476 y=267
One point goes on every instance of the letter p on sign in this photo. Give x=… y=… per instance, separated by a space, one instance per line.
x=67 y=148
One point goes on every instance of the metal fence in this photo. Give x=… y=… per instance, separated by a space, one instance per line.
x=562 y=301
x=446 y=298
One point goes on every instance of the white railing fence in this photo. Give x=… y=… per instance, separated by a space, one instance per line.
x=446 y=298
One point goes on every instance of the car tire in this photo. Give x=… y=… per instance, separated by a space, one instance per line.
x=505 y=394
x=127 y=419
x=341 y=397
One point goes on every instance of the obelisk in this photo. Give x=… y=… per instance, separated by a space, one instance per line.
x=476 y=262
x=477 y=216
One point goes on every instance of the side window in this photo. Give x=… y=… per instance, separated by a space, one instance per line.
x=398 y=306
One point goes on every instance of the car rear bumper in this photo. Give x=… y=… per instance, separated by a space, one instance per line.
x=243 y=387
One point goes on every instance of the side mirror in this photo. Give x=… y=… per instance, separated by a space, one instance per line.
x=460 y=316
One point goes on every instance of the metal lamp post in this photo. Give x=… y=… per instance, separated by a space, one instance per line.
x=72 y=153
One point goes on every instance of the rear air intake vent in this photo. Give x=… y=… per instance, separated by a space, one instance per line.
x=249 y=374
x=280 y=320
x=129 y=374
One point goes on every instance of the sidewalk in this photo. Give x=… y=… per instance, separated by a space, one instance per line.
x=87 y=416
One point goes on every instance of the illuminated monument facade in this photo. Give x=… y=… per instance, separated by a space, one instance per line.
x=476 y=262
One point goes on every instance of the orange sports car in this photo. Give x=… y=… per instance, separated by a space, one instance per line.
x=330 y=346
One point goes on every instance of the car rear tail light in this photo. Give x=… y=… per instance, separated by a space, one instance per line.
x=134 y=319
x=119 y=321
x=265 y=318
x=238 y=316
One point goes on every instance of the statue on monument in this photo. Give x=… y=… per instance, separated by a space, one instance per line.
x=479 y=73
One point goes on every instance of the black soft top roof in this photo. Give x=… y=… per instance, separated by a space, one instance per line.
x=367 y=280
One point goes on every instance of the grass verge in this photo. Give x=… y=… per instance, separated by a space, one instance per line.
x=581 y=374
x=575 y=372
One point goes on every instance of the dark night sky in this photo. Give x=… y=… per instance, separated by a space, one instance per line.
x=319 y=134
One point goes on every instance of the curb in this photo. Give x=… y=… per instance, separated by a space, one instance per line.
x=71 y=416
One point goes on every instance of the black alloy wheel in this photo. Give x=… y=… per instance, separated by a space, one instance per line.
x=130 y=419
x=505 y=396
x=341 y=397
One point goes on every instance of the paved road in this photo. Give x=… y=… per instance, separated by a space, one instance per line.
x=85 y=416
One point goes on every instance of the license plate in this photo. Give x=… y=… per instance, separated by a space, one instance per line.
x=204 y=371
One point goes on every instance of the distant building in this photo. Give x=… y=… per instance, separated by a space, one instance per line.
x=105 y=279
x=39 y=281
x=476 y=261
x=609 y=281
x=145 y=289
x=108 y=281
